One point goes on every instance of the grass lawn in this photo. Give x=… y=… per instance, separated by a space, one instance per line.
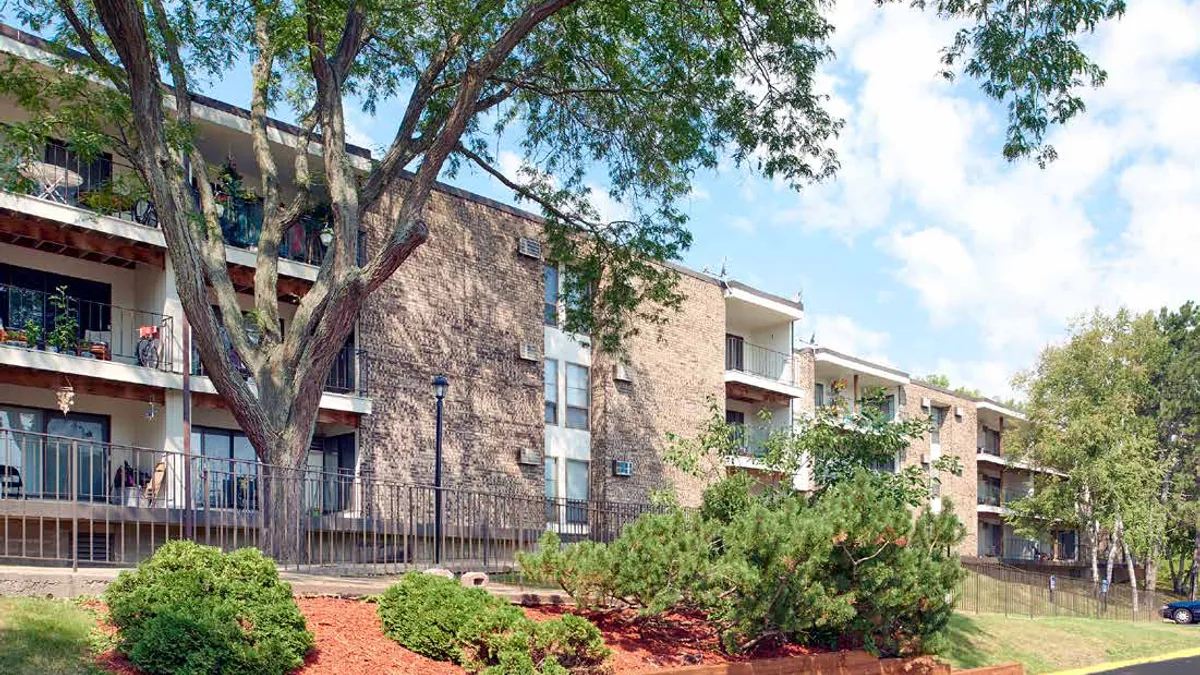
x=45 y=637
x=1045 y=645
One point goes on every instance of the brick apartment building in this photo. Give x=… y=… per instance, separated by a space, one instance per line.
x=530 y=410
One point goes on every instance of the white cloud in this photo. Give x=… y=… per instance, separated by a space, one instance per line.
x=843 y=334
x=699 y=194
x=990 y=378
x=1010 y=250
x=743 y=224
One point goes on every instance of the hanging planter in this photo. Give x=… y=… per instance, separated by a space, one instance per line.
x=64 y=396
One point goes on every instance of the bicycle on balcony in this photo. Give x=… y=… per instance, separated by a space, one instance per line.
x=149 y=347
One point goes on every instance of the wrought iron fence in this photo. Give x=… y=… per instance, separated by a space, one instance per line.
x=61 y=323
x=1000 y=589
x=81 y=502
x=750 y=358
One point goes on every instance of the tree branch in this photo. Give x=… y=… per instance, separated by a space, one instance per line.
x=110 y=69
x=266 y=271
x=522 y=190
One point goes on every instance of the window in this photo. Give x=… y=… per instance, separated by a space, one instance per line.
x=737 y=419
x=550 y=274
x=939 y=416
x=577 y=491
x=551 y=391
x=551 y=489
x=225 y=471
x=818 y=395
x=887 y=407
x=577 y=396
x=735 y=352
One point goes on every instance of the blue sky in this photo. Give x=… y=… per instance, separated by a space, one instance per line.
x=929 y=252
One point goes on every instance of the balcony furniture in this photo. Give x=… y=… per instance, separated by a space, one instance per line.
x=157 y=483
x=132 y=496
x=11 y=485
x=51 y=179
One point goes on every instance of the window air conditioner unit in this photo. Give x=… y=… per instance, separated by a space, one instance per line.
x=528 y=456
x=622 y=468
x=530 y=248
x=621 y=373
x=925 y=402
x=530 y=352
x=958 y=412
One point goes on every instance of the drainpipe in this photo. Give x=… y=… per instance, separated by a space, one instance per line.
x=189 y=512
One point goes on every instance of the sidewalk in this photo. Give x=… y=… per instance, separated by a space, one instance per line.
x=62 y=582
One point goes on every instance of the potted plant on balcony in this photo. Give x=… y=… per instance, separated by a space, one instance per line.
x=64 y=338
x=108 y=199
x=14 y=338
x=33 y=333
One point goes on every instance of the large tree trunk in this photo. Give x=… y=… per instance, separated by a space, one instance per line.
x=282 y=514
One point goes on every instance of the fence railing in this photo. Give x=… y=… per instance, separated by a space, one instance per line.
x=82 y=502
x=998 y=589
x=742 y=356
x=36 y=319
x=988 y=494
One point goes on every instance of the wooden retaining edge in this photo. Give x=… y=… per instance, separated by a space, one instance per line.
x=835 y=663
x=1006 y=669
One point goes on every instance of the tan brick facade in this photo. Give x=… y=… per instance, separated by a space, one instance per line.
x=959 y=435
x=460 y=306
x=674 y=373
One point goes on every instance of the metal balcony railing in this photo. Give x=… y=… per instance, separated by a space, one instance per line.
x=350 y=373
x=988 y=494
x=744 y=357
x=65 y=324
x=84 y=502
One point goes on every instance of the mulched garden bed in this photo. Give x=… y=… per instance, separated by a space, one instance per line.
x=349 y=639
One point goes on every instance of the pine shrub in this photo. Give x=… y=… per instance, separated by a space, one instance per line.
x=191 y=609
x=441 y=619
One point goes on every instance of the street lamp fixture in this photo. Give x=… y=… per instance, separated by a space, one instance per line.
x=440 y=385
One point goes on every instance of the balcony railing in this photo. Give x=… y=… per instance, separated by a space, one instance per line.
x=744 y=357
x=46 y=321
x=350 y=373
x=69 y=500
x=988 y=494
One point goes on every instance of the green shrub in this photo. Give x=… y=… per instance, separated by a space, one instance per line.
x=192 y=609
x=443 y=620
x=427 y=614
x=852 y=564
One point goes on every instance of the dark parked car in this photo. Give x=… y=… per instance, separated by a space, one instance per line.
x=1184 y=611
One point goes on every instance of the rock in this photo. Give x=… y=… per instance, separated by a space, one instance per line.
x=474 y=579
x=438 y=571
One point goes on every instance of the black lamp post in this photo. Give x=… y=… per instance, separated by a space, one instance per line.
x=440 y=384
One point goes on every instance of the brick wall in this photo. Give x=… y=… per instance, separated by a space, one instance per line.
x=958 y=437
x=459 y=306
x=674 y=372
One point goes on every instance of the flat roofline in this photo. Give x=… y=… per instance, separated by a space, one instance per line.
x=989 y=404
x=857 y=360
x=794 y=304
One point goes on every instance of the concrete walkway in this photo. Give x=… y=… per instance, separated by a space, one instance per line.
x=63 y=582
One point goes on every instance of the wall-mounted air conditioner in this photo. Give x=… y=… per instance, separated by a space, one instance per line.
x=530 y=248
x=530 y=352
x=622 y=468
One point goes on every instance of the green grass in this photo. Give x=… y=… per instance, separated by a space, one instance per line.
x=1046 y=645
x=46 y=637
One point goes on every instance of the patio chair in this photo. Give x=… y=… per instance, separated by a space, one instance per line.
x=155 y=486
x=10 y=482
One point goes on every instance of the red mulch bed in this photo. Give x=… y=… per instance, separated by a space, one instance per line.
x=349 y=639
x=640 y=645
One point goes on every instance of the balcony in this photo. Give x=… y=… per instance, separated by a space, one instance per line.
x=56 y=322
x=105 y=186
x=989 y=494
x=758 y=374
x=350 y=373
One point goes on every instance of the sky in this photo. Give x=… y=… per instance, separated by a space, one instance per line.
x=928 y=251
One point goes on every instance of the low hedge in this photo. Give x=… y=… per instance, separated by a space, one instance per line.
x=441 y=619
x=191 y=609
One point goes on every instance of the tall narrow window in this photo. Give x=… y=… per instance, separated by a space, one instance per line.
x=550 y=274
x=939 y=416
x=551 y=391
x=819 y=395
x=551 y=477
x=577 y=491
x=577 y=396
